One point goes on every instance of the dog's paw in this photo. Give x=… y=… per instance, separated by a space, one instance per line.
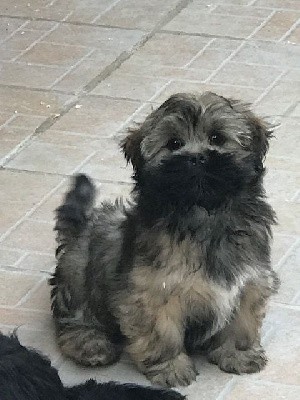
x=88 y=348
x=239 y=362
x=177 y=372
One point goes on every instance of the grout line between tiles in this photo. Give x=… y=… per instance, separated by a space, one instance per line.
x=231 y=56
x=283 y=259
x=108 y=8
x=29 y=293
x=199 y=53
x=45 y=34
x=31 y=211
x=269 y=88
x=289 y=31
x=227 y=389
x=14 y=32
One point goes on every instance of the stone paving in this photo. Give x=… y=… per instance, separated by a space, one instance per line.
x=73 y=75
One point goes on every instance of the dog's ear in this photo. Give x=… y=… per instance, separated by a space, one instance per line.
x=261 y=130
x=261 y=134
x=131 y=147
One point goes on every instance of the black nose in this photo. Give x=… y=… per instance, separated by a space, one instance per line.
x=197 y=159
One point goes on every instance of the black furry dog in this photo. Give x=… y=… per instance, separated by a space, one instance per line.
x=26 y=375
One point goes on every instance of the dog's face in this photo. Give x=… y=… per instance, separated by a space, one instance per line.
x=197 y=150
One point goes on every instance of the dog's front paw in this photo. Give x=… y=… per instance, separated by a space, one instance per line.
x=177 y=372
x=239 y=362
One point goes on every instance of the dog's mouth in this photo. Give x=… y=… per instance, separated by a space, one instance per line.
x=205 y=180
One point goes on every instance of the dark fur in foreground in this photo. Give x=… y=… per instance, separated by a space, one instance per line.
x=26 y=375
x=187 y=266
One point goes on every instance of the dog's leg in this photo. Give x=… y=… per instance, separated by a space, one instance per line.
x=237 y=348
x=87 y=345
x=155 y=341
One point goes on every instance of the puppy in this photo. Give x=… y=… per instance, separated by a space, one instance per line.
x=186 y=266
x=26 y=375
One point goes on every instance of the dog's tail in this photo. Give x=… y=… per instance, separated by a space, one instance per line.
x=73 y=215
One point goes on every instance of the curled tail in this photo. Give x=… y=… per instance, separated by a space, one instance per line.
x=73 y=215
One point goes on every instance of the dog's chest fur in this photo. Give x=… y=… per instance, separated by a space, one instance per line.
x=176 y=278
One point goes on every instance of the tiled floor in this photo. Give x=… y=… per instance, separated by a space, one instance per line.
x=73 y=75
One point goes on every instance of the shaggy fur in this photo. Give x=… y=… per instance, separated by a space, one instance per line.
x=186 y=266
x=26 y=375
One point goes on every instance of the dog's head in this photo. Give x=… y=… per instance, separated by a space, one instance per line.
x=197 y=150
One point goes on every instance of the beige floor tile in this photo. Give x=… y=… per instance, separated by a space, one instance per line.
x=288 y=214
x=6 y=147
x=246 y=75
x=211 y=58
x=44 y=157
x=210 y=381
x=268 y=53
x=24 y=188
x=282 y=185
x=241 y=10
x=283 y=347
x=14 y=204
x=10 y=215
x=9 y=257
x=108 y=40
x=97 y=116
x=37 y=263
x=70 y=139
x=213 y=24
x=286 y=4
x=294 y=37
x=290 y=278
x=8 y=26
x=109 y=164
x=14 y=286
x=82 y=74
x=129 y=86
x=31 y=76
x=280 y=246
x=287 y=92
x=54 y=54
x=140 y=15
x=30 y=319
x=40 y=25
x=20 y=41
x=43 y=341
x=22 y=122
x=159 y=50
x=278 y=25
x=164 y=71
x=31 y=102
x=38 y=299
x=285 y=143
x=45 y=212
x=238 y=92
x=41 y=237
x=263 y=390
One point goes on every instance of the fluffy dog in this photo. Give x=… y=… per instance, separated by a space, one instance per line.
x=186 y=266
x=26 y=375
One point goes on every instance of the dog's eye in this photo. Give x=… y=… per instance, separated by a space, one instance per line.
x=217 y=139
x=174 y=144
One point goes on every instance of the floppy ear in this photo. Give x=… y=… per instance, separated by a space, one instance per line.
x=260 y=129
x=261 y=134
x=131 y=147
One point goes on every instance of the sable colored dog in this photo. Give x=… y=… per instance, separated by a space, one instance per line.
x=26 y=375
x=184 y=267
